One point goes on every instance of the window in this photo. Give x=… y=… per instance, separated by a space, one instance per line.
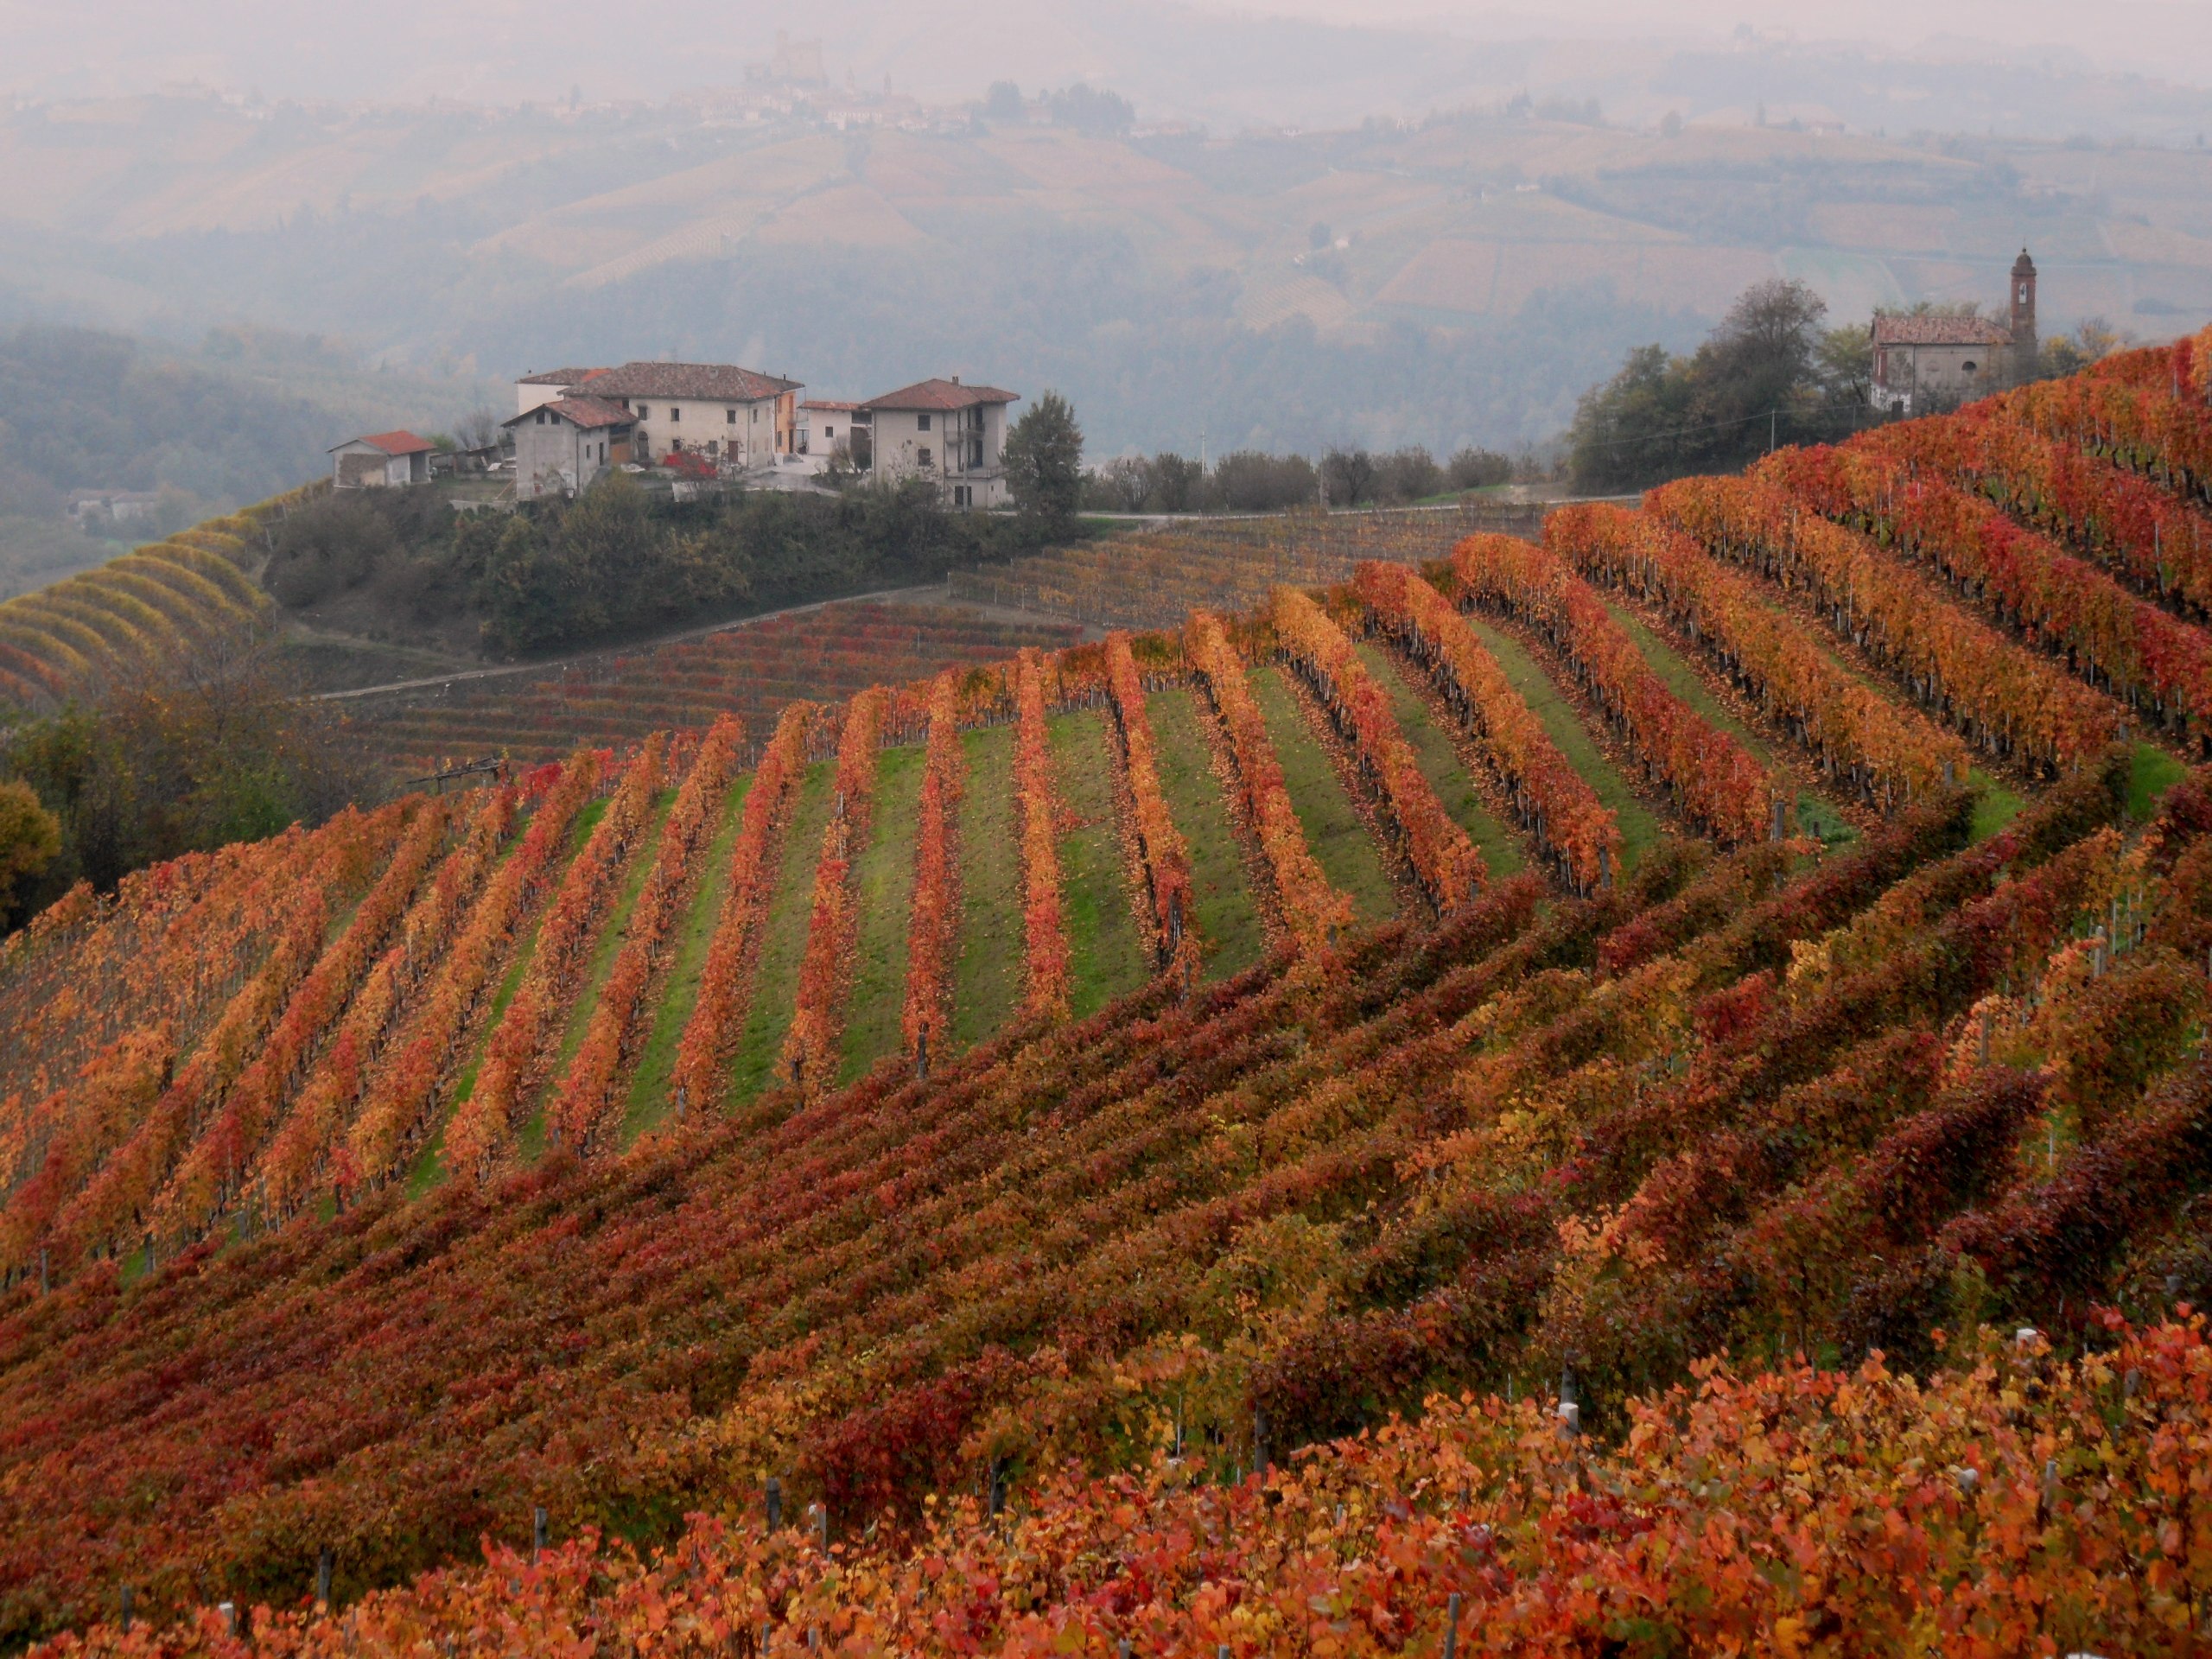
x=674 y=415
x=541 y=417
x=756 y=414
x=1967 y=366
x=921 y=422
x=729 y=417
x=922 y=456
x=643 y=411
x=828 y=432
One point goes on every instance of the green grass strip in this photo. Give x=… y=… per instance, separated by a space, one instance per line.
x=1340 y=842
x=986 y=979
x=783 y=938
x=1640 y=826
x=884 y=881
x=1440 y=763
x=649 y=1101
x=530 y=1139
x=1106 y=956
x=2152 y=772
x=429 y=1169
x=1230 y=928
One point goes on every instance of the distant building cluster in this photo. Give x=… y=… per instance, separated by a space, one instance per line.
x=716 y=420
x=1942 y=358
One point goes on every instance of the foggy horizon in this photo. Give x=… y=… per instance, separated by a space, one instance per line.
x=507 y=53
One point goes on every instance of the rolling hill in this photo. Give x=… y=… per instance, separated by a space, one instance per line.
x=1001 y=1164
x=1456 y=275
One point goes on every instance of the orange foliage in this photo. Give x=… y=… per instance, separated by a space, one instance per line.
x=718 y=1016
x=1037 y=801
x=934 y=926
x=1715 y=784
x=1313 y=909
x=1449 y=867
x=1552 y=799
x=825 y=971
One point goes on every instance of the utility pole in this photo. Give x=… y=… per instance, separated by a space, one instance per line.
x=1773 y=415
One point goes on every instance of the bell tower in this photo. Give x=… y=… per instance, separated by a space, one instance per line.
x=2024 y=314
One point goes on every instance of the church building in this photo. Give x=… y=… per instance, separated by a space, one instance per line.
x=1931 y=361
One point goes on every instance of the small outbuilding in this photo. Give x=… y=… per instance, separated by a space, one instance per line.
x=387 y=458
x=561 y=446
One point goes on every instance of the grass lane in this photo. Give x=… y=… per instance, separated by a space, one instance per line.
x=1341 y=845
x=1440 y=763
x=783 y=937
x=530 y=1136
x=1814 y=816
x=428 y=1168
x=987 y=978
x=1227 y=917
x=1640 y=827
x=1106 y=954
x=648 y=1099
x=884 y=881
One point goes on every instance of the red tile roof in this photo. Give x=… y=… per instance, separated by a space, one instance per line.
x=393 y=443
x=707 y=382
x=831 y=403
x=940 y=394
x=590 y=413
x=559 y=378
x=1939 y=331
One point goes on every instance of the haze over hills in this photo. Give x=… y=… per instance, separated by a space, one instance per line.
x=1460 y=279
x=1317 y=63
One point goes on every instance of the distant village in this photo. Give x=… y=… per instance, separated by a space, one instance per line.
x=713 y=424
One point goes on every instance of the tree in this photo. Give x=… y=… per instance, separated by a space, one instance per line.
x=30 y=837
x=1767 y=373
x=1090 y=109
x=216 y=748
x=1003 y=101
x=1843 y=364
x=1479 y=469
x=1044 y=461
x=1348 y=477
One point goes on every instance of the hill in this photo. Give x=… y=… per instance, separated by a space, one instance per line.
x=239 y=418
x=1453 y=277
x=1774 y=921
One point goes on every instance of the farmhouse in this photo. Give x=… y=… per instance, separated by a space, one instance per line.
x=953 y=435
x=561 y=446
x=389 y=458
x=1927 y=357
x=738 y=419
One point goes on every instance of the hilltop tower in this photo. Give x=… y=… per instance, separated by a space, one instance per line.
x=2024 y=315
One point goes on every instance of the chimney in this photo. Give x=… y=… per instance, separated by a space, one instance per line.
x=955 y=379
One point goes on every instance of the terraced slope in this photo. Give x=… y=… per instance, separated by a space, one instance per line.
x=1426 y=984
x=752 y=671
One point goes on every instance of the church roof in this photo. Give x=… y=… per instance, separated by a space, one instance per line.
x=1931 y=329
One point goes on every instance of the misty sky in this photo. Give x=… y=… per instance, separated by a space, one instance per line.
x=2169 y=38
x=506 y=51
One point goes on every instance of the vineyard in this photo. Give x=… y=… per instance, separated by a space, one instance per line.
x=750 y=672
x=1642 y=1092
x=1155 y=578
x=164 y=604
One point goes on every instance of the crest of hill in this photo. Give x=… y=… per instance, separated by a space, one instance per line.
x=1089 y=1086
